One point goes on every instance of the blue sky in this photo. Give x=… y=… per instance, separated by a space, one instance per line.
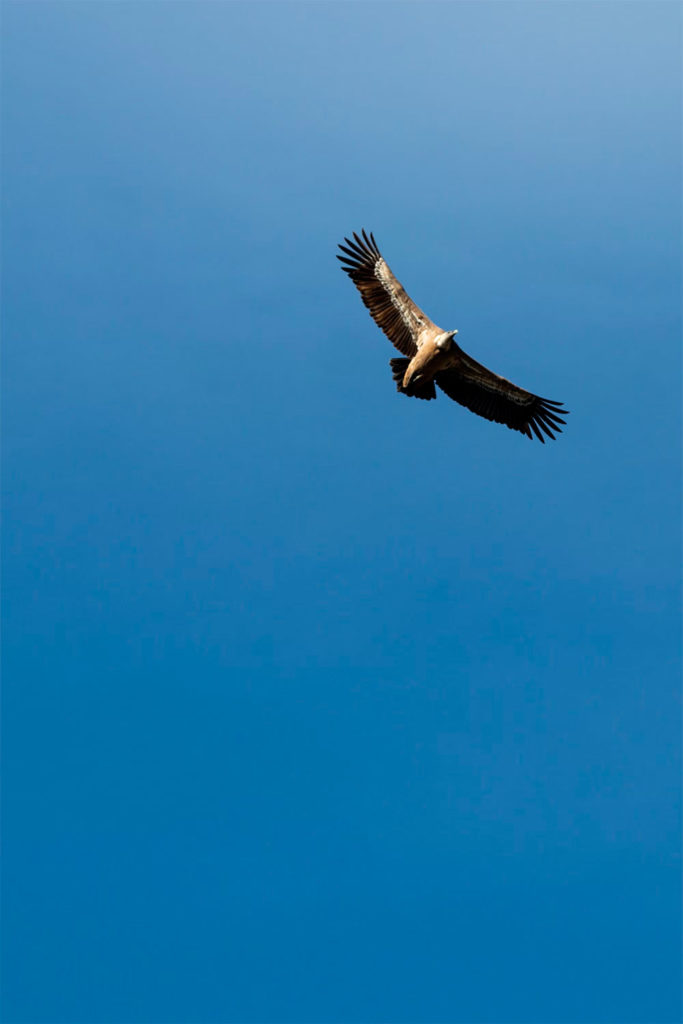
x=320 y=704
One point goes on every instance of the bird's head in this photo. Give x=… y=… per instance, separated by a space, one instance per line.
x=444 y=342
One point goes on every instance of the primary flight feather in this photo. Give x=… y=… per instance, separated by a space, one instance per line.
x=431 y=355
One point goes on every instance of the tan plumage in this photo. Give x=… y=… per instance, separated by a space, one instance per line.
x=431 y=354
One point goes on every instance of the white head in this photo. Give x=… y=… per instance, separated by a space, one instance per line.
x=445 y=341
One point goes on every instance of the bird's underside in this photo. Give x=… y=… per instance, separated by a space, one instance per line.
x=430 y=355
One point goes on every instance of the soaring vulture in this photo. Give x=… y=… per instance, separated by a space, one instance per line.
x=431 y=355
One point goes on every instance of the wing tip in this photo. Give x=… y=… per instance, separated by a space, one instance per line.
x=362 y=246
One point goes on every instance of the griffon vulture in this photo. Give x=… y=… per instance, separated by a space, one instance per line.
x=431 y=355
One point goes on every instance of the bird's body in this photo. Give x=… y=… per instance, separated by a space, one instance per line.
x=431 y=355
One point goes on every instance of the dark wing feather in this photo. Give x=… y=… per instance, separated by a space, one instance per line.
x=390 y=307
x=495 y=398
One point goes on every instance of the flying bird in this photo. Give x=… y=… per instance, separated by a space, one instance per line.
x=431 y=355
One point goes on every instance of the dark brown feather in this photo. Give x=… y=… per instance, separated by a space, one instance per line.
x=497 y=399
x=383 y=295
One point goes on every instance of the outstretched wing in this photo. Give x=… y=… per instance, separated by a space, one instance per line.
x=390 y=307
x=495 y=398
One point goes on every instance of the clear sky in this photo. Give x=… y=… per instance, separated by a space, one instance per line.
x=324 y=705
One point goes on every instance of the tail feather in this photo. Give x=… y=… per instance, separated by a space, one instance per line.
x=398 y=369
x=425 y=389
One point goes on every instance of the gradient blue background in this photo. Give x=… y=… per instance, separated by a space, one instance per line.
x=322 y=705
